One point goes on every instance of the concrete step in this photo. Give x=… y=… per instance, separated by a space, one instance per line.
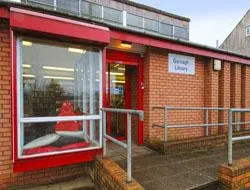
x=81 y=183
x=209 y=186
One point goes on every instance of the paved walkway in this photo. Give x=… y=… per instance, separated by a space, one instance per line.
x=81 y=183
x=118 y=153
x=186 y=171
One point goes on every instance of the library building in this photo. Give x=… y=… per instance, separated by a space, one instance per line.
x=62 y=63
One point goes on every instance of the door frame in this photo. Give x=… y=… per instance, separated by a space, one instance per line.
x=125 y=58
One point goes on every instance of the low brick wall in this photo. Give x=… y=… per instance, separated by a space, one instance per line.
x=236 y=176
x=182 y=146
x=107 y=175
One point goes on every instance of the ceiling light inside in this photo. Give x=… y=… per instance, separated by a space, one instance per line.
x=115 y=74
x=121 y=68
x=76 y=50
x=118 y=81
x=26 y=66
x=27 y=43
x=58 y=68
x=60 y=78
x=29 y=76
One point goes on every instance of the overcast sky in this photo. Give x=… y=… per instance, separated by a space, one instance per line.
x=210 y=20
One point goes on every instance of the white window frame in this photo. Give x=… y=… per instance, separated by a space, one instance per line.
x=248 y=31
x=20 y=134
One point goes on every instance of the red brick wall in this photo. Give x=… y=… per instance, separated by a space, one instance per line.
x=235 y=177
x=134 y=100
x=164 y=88
x=207 y=88
x=245 y=94
x=211 y=94
x=235 y=87
x=224 y=94
x=107 y=175
x=7 y=177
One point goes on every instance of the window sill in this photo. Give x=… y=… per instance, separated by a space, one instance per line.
x=63 y=159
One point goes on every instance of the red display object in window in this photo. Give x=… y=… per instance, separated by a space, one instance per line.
x=67 y=110
x=64 y=126
x=53 y=148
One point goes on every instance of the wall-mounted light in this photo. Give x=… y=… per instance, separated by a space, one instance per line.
x=126 y=45
x=217 y=65
x=27 y=43
x=76 y=50
x=58 y=68
x=60 y=78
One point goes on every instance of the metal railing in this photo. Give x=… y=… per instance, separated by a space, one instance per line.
x=232 y=139
x=234 y=119
x=127 y=145
x=206 y=110
x=112 y=16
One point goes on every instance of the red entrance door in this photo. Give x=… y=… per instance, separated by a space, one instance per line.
x=124 y=91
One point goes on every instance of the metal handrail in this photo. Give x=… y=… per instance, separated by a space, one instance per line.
x=128 y=146
x=232 y=139
x=207 y=124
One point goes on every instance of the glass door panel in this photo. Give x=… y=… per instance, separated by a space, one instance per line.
x=116 y=90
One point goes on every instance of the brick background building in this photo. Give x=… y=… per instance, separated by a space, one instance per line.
x=151 y=85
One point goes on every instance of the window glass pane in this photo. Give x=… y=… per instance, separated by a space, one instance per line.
x=59 y=136
x=134 y=21
x=180 y=32
x=59 y=80
x=152 y=25
x=166 y=29
x=66 y=5
x=112 y=15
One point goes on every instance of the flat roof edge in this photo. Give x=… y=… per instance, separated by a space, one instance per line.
x=184 y=42
x=175 y=40
x=153 y=9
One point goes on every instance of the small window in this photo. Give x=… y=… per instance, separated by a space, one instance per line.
x=59 y=96
x=248 y=31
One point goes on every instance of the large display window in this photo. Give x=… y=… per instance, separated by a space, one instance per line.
x=59 y=91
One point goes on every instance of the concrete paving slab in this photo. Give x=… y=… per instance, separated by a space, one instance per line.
x=183 y=171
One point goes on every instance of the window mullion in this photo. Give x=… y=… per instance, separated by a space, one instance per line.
x=91 y=92
x=55 y=119
x=19 y=71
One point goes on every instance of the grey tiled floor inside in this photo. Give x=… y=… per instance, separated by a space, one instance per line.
x=176 y=172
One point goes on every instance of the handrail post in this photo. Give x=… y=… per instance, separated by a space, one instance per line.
x=104 y=133
x=230 y=136
x=237 y=121
x=207 y=122
x=129 y=152
x=165 y=125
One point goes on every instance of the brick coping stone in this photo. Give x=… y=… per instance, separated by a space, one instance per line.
x=235 y=176
x=107 y=175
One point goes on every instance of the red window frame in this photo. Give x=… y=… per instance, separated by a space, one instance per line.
x=98 y=34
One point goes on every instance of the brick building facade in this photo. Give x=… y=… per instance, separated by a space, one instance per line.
x=136 y=77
